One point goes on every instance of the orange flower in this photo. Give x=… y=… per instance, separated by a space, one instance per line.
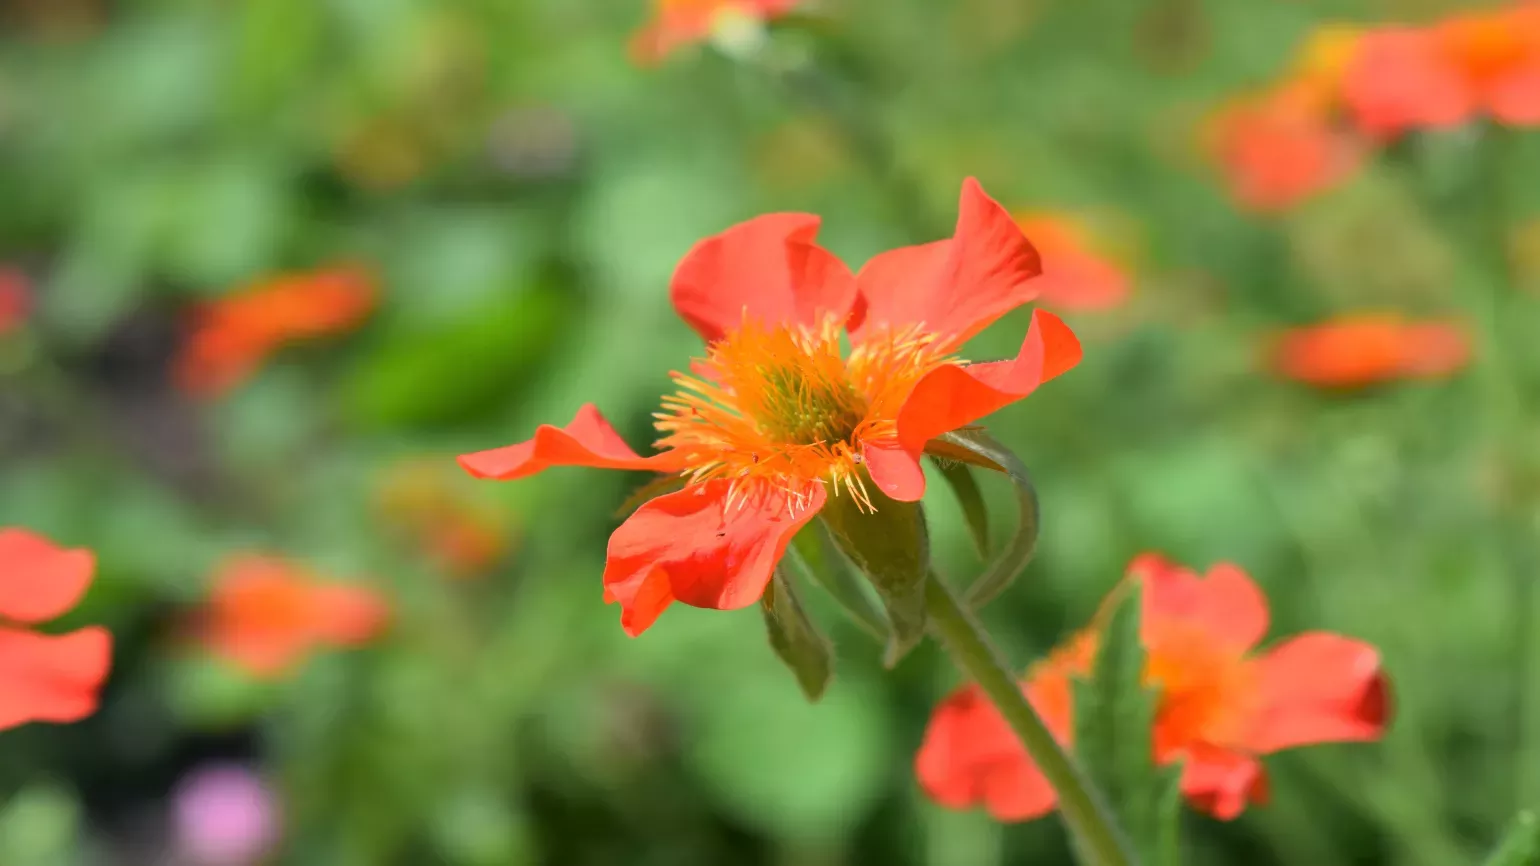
x=1366 y=349
x=15 y=300
x=678 y=23
x=1280 y=148
x=1074 y=276
x=232 y=336
x=460 y=534
x=266 y=615
x=46 y=678
x=775 y=418
x=1221 y=706
x=1497 y=53
x=1402 y=78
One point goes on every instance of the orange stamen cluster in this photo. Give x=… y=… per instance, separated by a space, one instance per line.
x=776 y=410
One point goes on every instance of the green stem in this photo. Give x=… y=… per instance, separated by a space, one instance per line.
x=1090 y=822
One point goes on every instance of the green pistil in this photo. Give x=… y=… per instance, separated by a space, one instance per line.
x=804 y=411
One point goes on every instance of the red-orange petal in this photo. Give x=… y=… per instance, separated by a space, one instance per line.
x=1221 y=783
x=698 y=547
x=1074 y=277
x=1401 y=80
x=1514 y=99
x=47 y=678
x=588 y=440
x=1319 y=688
x=955 y=287
x=38 y=579
x=1365 y=349
x=348 y=616
x=768 y=269
x=1225 y=603
x=970 y=757
x=953 y=396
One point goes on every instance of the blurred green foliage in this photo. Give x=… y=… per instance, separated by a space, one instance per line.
x=525 y=191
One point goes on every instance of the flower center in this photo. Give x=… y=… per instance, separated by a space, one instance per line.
x=779 y=409
x=1206 y=690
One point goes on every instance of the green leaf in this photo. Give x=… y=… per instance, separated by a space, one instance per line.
x=1114 y=717
x=812 y=555
x=975 y=512
x=796 y=638
x=977 y=448
x=1520 y=846
x=891 y=546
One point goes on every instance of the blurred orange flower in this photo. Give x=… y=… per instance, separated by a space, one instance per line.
x=1221 y=706
x=266 y=615
x=233 y=335
x=1370 y=348
x=15 y=299
x=1401 y=80
x=1497 y=53
x=464 y=536
x=678 y=23
x=1280 y=148
x=778 y=417
x=46 y=678
x=1075 y=277
x=1407 y=78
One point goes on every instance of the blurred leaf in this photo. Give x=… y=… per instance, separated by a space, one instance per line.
x=277 y=40
x=39 y=826
x=975 y=512
x=799 y=771
x=1520 y=846
x=795 y=637
x=449 y=373
x=977 y=448
x=208 y=694
x=477 y=827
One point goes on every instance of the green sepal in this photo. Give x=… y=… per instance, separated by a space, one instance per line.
x=813 y=556
x=1520 y=845
x=977 y=448
x=971 y=498
x=796 y=638
x=1114 y=719
x=891 y=546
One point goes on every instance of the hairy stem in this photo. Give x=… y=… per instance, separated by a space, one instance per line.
x=1091 y=825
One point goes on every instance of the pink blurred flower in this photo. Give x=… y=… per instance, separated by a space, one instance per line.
x=224 y=815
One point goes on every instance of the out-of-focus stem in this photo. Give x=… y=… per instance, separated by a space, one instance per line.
x=1091 y=824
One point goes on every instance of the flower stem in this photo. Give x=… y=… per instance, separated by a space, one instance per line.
x=1095 y=832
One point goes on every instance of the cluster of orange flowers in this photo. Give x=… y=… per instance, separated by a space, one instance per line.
x=1350 y=89
x=234 y=335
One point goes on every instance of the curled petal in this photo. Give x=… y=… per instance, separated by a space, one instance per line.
x=769 y=269
x=700 y=547
x=47 y=678
x=1225 y=604
x=955 y=287
x=1221 y=783
x=953 y=396
x=588 y=441
x=1319 y=688
x=38 y=579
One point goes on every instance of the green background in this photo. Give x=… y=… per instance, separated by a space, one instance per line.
x=524 y=190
